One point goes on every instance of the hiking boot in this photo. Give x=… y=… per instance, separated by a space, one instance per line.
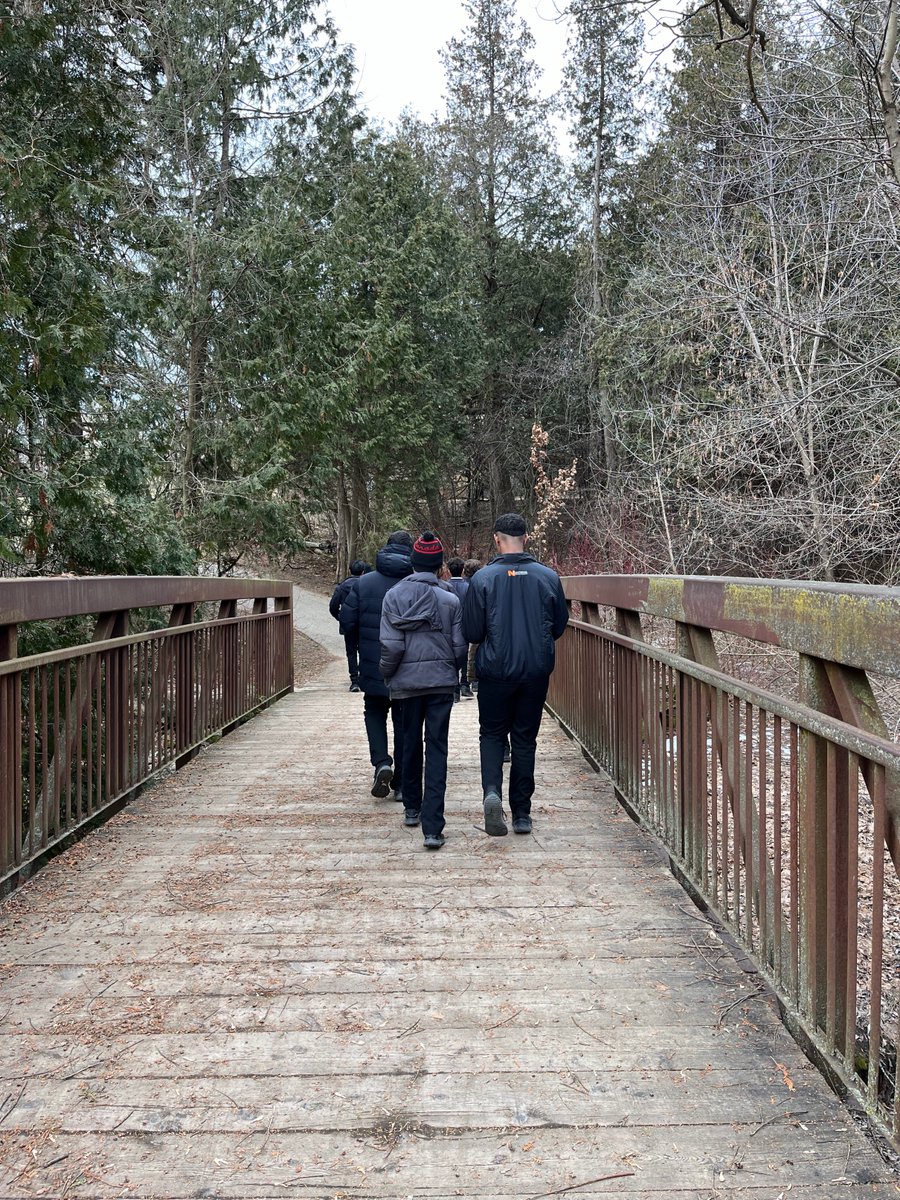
x=494 y=823
x=411 y=817
x=434 y=841
x=466 y=692
x=354 y=687
x=521 y=824
x=382 y=783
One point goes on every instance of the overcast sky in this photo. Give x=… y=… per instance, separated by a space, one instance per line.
x=397 y=44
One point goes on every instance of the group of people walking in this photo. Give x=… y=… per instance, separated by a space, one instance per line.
x=409 y=625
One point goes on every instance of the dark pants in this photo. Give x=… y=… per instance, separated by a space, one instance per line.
x=513 y=709
x=375 y=709
x=351 y=645
x=429 y=714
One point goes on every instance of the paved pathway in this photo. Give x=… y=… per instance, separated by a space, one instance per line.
x=311 y=616
x=255 y=983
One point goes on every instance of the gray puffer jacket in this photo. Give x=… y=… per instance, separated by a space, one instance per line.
x=422 y=646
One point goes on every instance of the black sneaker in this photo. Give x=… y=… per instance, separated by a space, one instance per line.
x=382 y=784
x=466 y=692
x=354 y=687
x=494 y=823
x=411 y=817
x=434 y=841
x=456 y=693
x=507 y=754
x=521 y=824
x=398 y=796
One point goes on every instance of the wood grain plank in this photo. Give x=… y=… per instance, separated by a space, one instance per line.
x=254 y=983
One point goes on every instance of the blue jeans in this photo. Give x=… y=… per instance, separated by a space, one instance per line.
x=426 y=729
x=513 y=710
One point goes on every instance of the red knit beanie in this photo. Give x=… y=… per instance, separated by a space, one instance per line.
x=427 y=552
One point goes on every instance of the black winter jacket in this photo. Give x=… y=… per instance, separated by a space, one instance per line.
x=459 y=585
x=340 y=594
x=516 y=609
x=361 y=612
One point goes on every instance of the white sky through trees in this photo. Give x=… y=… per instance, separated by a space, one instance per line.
x=397 y=44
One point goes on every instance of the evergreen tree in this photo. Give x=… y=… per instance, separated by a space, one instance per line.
x=508 y=182
x=395 y=345
x=226 y=84
x=67 y=499
x=601 y=86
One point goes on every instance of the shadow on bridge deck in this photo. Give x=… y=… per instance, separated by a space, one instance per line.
x=255 y=983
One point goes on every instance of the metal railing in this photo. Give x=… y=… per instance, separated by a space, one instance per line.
x=82 y=727
x=781 y=813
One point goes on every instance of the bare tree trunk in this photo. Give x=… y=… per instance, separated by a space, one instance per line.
x=606 y=449
x=342 y=557
x=887 y=90
x=437 y=513
x=360 y=515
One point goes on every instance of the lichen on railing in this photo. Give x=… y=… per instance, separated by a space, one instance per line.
x=779 y=810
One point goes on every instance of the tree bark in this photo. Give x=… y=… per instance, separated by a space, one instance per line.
x=886 y=89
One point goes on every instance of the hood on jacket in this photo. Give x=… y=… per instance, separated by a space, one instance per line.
x=393 y=560
x=423 y=612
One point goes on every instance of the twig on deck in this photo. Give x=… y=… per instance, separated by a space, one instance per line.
x=590 y=1035
x=740 y=1000
x=14 y=1103
x=800 y=1113
x=585 y=1183
x=506 y=1020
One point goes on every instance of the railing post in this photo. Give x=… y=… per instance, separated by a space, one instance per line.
x=114 y=721
x=230 y=659
x=286 y=604
x=824 y=847
x=10 y=755
x=823 y=787
x=183 y=616
x=258 y=649
x=628 y=718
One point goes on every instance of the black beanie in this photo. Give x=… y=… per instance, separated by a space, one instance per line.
x=427 y=553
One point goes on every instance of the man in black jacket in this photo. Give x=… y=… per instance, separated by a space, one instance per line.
x=361 y=616
x=351 y=642
x=516 y=609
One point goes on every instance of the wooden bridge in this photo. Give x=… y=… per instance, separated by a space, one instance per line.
x=251 y=981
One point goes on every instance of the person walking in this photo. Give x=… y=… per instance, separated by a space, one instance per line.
x=360 y=617
x=351 y=641
x=460 y=586
x=422 y=650
x=516 y=609
x=470 y=566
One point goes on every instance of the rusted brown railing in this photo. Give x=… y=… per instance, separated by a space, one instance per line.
x=782 y=813
x=82 y=727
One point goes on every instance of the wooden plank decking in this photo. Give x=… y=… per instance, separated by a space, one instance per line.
x=255 y=983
